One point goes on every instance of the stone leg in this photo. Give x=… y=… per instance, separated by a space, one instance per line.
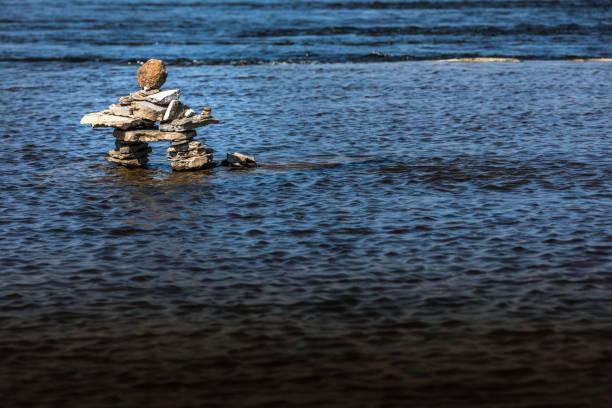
x=129 y=154
x=189 y=155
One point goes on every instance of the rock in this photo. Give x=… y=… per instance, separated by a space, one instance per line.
x=127 y=163
x=194 y=144
x=165 y=97
x=120 y=110
x=241 y=159
x=151 y=135
x=152 y=74
x=192 y=163
x=125 y=148
x=98 y=119
x=189 y=113
x=179 y=142
x=136 y=96
x=181 y=125
x=175 y=109
x=176 y=155
x=130 y=155
x=148 y=110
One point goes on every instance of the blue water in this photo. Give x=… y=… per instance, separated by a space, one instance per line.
x=248 y=32
x=417 y=232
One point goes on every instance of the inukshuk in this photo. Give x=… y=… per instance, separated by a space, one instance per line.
x=134 y=119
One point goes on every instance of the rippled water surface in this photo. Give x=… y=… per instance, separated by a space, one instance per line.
x=418 y=233
x=428 y=231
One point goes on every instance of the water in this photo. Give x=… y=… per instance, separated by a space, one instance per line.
x=418 y=232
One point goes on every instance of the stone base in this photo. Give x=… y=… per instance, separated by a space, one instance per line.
x=128 y=163
x=193 y=163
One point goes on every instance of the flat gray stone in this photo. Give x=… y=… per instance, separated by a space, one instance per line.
x=147 y=110
x=129 y=155
x=127 y=163
x=175 y=110
x=136 y=96
x=164 y=97
x=99 y=119
x=120 y=110
x=152 y=135
x=189 y=113
x=192 y=163
x=123 y=147
x=181 y=125
x=194 y=144
x=175 y=155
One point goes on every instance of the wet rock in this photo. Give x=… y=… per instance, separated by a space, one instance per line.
x=151 y=135
x=147 y=110
x=125 y=148
x=136 y=96
x=192 y=163
x=99 y=119
x=127 y=163
x=120 y=110
x=181 y=125
x=183 y=147
x=164 y=97
x=175 y=109
x=152 y=74
x=129 y=155
x=239 y=160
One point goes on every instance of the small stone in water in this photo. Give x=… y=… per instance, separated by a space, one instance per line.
x=241 y=159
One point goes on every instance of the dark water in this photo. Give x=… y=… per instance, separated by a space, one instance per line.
x=419 y=233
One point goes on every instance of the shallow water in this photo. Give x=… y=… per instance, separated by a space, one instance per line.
x=417 y=233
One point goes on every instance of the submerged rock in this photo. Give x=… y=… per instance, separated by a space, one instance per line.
x=152 y=74
x=239 y=160
x=128 y=163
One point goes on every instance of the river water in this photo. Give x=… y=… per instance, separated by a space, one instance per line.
x=418 y=232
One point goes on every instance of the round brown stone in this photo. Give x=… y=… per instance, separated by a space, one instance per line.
x=152 y=74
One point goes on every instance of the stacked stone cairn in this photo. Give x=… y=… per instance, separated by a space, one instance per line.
x=134 y=119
